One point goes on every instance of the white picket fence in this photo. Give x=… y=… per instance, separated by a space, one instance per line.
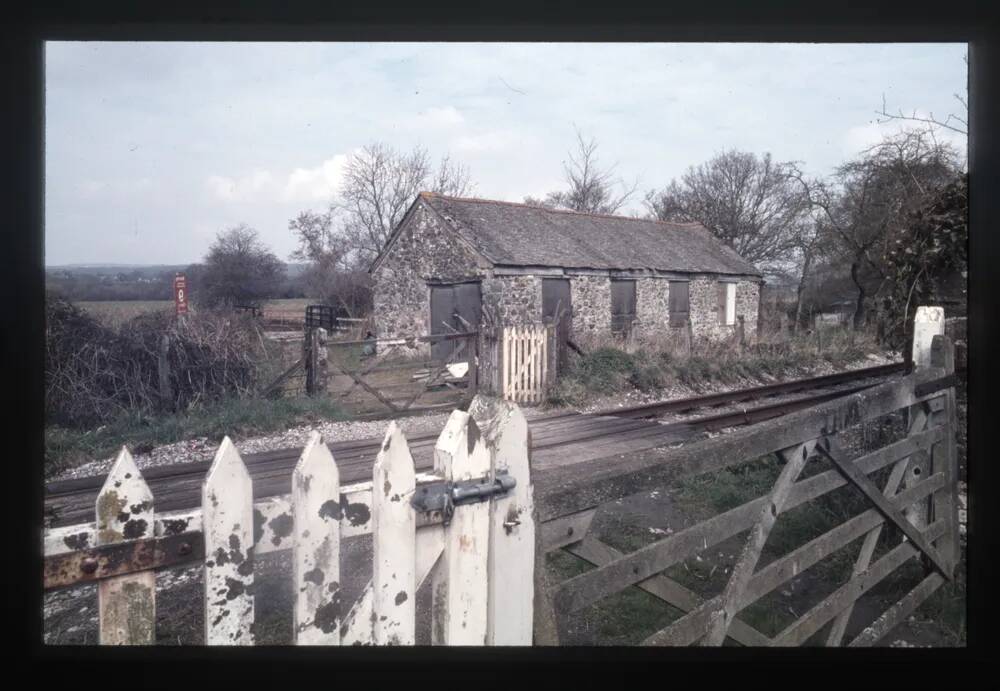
x=481 y=563
x=525 y=358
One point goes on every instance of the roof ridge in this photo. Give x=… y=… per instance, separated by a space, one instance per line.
x=480 y=200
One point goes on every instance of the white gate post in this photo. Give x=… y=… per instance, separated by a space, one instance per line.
x=511 y=560
x=928 y=323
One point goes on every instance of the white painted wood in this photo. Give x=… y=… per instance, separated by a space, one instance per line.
x=511 y=556
x=430 y=546
x=928 y=323
x=316 y=512
x=459 y=583
x=84 y=535
x=124 y=511
x=357 y=628
x=227 y=514
x=730 y=304
x=394 y=542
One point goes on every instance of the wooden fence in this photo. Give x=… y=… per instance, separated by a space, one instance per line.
x=479 y=555
x=918 y=499
x=525 y=366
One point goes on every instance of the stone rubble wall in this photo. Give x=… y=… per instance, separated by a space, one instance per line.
x=426 y=251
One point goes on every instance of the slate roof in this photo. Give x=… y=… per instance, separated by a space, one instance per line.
x=510 y=234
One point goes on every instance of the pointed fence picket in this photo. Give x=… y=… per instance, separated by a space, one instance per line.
x=480 y=560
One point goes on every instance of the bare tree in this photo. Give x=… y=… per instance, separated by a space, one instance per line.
x=380 y=184
x=335 y=275
x=591 y=188
x=753 y=204
x=954 y=122
x=871 y=197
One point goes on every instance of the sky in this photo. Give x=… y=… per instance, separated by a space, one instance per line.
x=153 y=148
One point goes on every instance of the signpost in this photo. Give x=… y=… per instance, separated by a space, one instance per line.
x=180 y=294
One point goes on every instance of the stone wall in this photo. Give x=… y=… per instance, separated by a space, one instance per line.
x=517 y=300
x=425 y=251
x=704 y=297
x=591 y=298
x=428 y=252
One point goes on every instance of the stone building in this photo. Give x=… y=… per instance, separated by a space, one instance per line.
x=616 y=275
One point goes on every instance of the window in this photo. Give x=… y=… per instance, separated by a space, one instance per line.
x=679 y=310
x=622 y=306
x=727 y=304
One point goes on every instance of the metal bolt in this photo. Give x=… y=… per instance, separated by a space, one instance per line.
x=88 y=565
x=185 y=548
x=511 y=524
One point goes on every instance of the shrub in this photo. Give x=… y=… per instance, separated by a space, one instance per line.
x=95 y=372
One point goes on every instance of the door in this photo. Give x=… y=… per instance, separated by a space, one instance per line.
x=556 y=301
x=448 y=303
x=622 y=306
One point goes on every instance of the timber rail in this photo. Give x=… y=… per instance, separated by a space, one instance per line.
x=557 y=439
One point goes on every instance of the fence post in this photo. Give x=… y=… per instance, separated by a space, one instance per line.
x=394 y=579
x=316 y=547
x=163 y=371
x=944 y=455
x=459 y=585
x=511 y=559
x=927 y=323
x=126 y=604
x=227 y=524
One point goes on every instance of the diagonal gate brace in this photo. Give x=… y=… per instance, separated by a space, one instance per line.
x=861 y=481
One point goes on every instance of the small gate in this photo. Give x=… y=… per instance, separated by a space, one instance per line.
x=526 y=363
x=467 y=527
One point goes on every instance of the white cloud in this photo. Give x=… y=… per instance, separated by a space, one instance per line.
x=319 y=183
x=255 y=186
x=315 y=184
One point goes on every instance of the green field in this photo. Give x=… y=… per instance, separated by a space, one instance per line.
x=116 y=311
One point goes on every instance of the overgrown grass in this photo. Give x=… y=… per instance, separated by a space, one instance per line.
x=614 y=366
x=66 y=448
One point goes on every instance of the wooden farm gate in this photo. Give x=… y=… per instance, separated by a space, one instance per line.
x=400 y=375
x=913 y=515
x=468 y=527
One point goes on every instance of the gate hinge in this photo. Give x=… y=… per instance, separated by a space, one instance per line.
x=443 y=497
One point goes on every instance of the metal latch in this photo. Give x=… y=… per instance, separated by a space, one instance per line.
x=443 y=497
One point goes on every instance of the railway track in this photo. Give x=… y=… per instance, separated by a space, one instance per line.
x=558 y=440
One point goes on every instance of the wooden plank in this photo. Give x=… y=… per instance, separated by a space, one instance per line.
x=566 y=530
x=795 y=460
x=898 y=613
x=917 y=423
x=460 y=590
x=596 y=482
x=124 y=512
x=869 y=489
x=511 y=550
x=666 y=589
x=695 y=623
x=944 y=456
x=316 y=516
x=227 y=516
x=394 y=542
x=585 y=589
x=358 y=628
x=811 y=622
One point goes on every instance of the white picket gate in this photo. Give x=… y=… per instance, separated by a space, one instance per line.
x=525 y=358
x=481 y=562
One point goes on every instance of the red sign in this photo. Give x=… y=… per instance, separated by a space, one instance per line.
x=180 y=294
